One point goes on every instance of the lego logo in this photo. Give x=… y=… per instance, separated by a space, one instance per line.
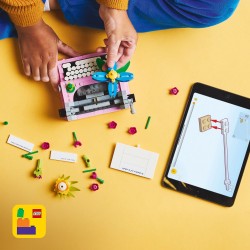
x=37 y=213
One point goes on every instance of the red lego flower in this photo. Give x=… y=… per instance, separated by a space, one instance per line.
x=112 y=125
x=132 y=130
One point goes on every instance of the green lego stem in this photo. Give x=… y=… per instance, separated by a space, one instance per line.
x=89 y=170
x=38 y=163
x=100 y=180
x=148 y=121
x=28 y=157
x=31 y=153
x=74 y=135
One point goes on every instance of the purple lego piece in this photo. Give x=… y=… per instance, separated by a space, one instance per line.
x=26 y=230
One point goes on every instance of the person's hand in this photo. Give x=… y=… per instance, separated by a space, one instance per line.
x=121 y=36
x=39 y=46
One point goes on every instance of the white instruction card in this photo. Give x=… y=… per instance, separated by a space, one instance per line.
x=20 y=143
x=63 y=156
x=134 y=160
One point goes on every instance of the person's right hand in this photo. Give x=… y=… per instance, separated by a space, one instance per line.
x=39 y=46
x=121 y=36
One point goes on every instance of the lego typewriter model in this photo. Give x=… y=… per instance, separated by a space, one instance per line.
x=84 y=97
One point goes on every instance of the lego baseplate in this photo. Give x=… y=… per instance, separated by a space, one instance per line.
x=84 y=97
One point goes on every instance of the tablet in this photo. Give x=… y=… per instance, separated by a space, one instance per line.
x=212 y=145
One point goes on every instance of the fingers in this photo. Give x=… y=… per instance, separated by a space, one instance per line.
x=123 y=54
x=44 y=73
x=54 y=77
x=37 y=67
x=126 y=54
x=101 y=49
x=67 y=50
x=44 y=68
x=26 y=68
x=36 y=74
x=112 y=50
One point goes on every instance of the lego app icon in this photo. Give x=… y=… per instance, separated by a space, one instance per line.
x=29 y=221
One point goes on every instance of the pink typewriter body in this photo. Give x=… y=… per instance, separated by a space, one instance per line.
x=89 y=97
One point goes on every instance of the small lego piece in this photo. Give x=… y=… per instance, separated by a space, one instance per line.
x=89 y=170
x=100 y=63
x=28 y=155
x=112 y=124
x=86 y=160
x=205 y=123
x=94 y=176
x=38 y=170
x=20 y=213
x=132 y=130
x=94 y=187
x=113 y=76
x=70 y=87
x=45 y=145
x=174 y=91
x=63 y=187
x=5 y=123
x=76 y=142
x=148 y=121
x=31 y=153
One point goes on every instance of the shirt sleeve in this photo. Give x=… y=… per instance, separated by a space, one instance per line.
x=115 y=4
x=23 y=12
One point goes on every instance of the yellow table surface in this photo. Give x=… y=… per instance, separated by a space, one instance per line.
x=128 y=212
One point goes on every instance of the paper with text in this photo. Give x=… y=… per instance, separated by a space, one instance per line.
x=63 y=156
x=20 y=143
x=134 y=160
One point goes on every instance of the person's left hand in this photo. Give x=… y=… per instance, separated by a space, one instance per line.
x=121 y=36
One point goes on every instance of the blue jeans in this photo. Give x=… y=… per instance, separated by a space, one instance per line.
x=145 y=15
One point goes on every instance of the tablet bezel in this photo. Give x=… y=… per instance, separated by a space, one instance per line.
x=221 y=95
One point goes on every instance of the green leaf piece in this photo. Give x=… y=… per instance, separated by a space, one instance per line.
x=74 y=189
x=124 y=68
x=70 y=194
x=100 y=63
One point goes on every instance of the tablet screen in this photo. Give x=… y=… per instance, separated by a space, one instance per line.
x=212 y=145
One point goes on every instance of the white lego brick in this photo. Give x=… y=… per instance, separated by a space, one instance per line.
x=69 y=104
x=75 y=110
x=85 y=102
x=71 y=117
x=224 y=126
x=103 y=98
x=89 y=107
x=103 y=104
x=117 y=101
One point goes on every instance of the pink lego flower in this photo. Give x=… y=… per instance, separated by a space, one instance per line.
x=94 y=187
x=132 y=130
x=45 y=145
x=174 y=91
x=112 y=125
x=93 y=175
x=77 y=143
